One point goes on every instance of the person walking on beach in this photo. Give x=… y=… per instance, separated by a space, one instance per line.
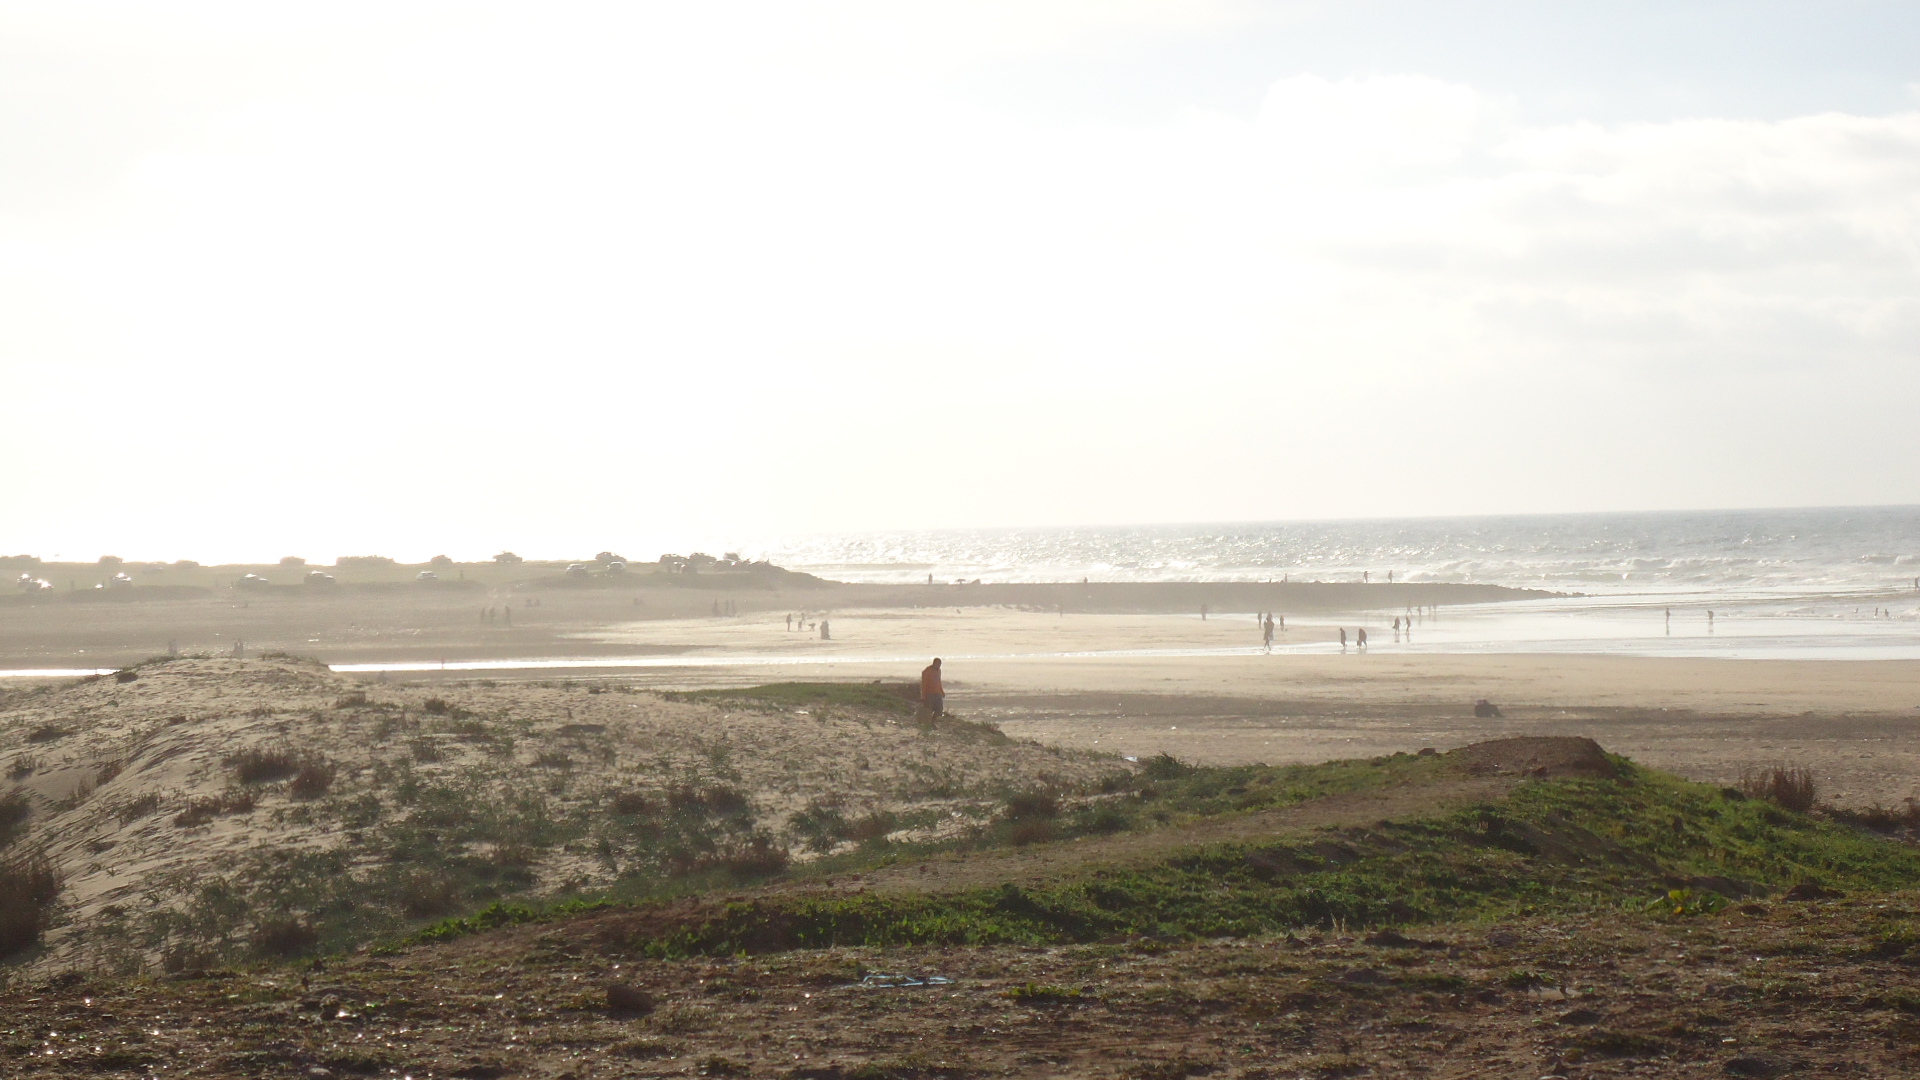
x=1343 y=639
x=825 y=634
x=1360 y=638
x=1266 y=632
x=933 y=694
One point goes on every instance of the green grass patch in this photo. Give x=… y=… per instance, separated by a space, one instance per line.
x=1558 y=846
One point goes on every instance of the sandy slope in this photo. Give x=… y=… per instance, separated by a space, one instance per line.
x=108 y=766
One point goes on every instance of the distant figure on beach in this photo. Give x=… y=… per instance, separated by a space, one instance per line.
x=1360 y=638
x=789 y=620
x=929 y=577
x=1389 y=577
x=1363 y=577
x=825 y=634
x=1203 y=613
x=932 y=693
x=1343 y=639
x=1266 y=633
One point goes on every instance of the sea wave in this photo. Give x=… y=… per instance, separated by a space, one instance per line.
x=1716 y=552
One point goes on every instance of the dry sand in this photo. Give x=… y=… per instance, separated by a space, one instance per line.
x=1857 y=723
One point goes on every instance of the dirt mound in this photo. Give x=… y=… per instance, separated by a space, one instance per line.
x=1535 y=756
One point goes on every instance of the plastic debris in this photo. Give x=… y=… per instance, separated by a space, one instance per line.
x=894 y=981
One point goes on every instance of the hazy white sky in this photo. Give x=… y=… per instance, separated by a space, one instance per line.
x=412 y=278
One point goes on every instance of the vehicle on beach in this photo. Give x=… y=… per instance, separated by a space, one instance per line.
x=252 y=581
x=426 y=575
x=578 y=569
x=121 y=580
x=319 y=577
x=29 y=583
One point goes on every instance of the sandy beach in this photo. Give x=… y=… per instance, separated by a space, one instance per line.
x=1141 y=685
x=1130 y=682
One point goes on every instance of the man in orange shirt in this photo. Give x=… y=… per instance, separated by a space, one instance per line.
x=932 y=693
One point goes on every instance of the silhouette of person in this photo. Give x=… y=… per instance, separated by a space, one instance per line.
x=1343 y=639
x=1360 y=638
x=933 y=693
x=825 y=634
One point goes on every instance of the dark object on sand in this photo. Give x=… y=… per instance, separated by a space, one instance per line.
x=625 y=1000
x=1485 y=709
x=1806 y=891
x=1536 y=756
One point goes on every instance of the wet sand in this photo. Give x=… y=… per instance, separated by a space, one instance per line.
x=1141 y=685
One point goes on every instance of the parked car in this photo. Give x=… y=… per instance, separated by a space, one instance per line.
x=578 y=569
x=252 y=581
x=121 y=580
x=319 y=577
x=426 y=575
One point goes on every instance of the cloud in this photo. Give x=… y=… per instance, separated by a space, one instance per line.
x=706 y=242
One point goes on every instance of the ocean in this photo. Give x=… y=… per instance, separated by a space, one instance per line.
x=1804 y=583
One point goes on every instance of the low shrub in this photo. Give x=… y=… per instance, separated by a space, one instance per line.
x=1790 y=788
x=1032 y=806
x=1883 y=819
x=313 y=779
x=877 y=825
x=203 y=810
x=107 y=771
x=819 y=825
x=138 y=808
x=14 y=812
x=424 y=894
x=284 y=937
x=27 y=890
x=635 y=804
x=45 y=733
x=1031 y=831
x=264 y=764
x=715 y=799
x=758 y=857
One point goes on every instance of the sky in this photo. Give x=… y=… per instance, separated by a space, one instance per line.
x=412 y=278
